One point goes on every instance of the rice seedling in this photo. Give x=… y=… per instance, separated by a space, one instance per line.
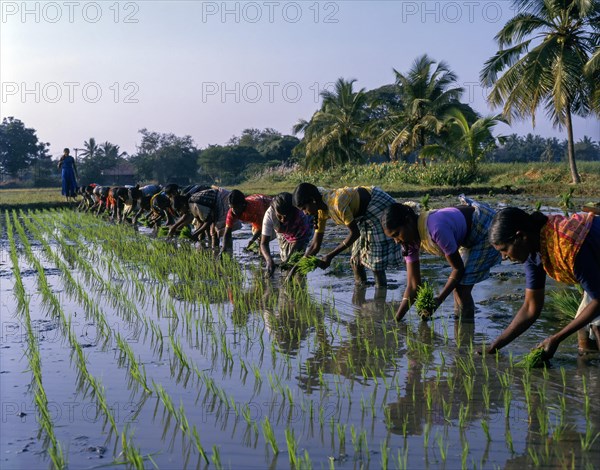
x=535 y=358
x=566 y=301
x=129 y=455
x=426 y=433
x=588 y=439
x=442 y=446
x=425 y=302
x=292 y=446
x=463 y=415
x=534 y=456
x=294 y=258
x=269 y=435
x=307 y=264
x=543 y=420
x=485 y=393
x=216 y=457
x=509 y=440
x=402 y=458
x=586 y=399
x=469 y=385
x=505 y=378
x=507 y=401
x=486 y=429
x=465 y=453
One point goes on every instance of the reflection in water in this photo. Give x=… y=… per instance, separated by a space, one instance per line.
x=289 y=314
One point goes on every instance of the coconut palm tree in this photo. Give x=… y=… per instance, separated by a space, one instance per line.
x=111 y=152
x=427 y=92
x=543 y=51
x=332 y=136
x=592 y=70
x=91 y=149
x=469 y=142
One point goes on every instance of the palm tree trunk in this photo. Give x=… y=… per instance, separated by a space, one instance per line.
x=571 y=147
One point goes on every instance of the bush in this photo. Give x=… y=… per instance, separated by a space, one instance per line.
x=435 y=174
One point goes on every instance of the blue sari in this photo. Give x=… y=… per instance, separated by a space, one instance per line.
x=69 y=183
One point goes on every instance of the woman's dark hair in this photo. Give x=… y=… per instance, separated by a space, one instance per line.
x=66 y=149
x=171 y=189
x=236 y=198
x=397 y=215
x=282 y=203
x=507 y=222
x=305 y=193
x=180 y=202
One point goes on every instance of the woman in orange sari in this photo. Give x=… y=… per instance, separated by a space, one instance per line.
x=565 y=248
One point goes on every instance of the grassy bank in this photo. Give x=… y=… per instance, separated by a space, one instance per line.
x=538 y=180
x=32 y=198
x=535 y=179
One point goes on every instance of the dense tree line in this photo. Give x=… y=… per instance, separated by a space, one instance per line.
x=548 y=56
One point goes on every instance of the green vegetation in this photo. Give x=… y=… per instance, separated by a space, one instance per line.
x=535 y=358
x=307 y=264
x=545 y=54
x=566 y=301
x=425 y=302
x=409 y=180
x=188 y=365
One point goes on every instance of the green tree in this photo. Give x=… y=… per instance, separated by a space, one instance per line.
x=95 y=159
x=469 y=142
x=592 y=70
x=587 y=149
x=227 y=164
x=543 y=51
x=19 y=147
x=333 y=135
x=166 y=158
x=426 y=93
x=273 y=146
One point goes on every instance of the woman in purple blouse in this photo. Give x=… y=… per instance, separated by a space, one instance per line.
x=460 y=234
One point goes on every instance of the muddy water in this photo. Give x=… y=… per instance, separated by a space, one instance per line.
x=321 y=360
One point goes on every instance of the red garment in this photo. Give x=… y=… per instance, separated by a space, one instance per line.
x=560 y=241
x=257 y=205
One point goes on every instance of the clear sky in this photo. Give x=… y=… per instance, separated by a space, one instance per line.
x=75 y=69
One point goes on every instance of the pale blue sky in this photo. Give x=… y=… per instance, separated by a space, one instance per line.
x=211 y=69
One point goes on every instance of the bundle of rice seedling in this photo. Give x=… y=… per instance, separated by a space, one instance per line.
x=254 y=248
x=535 y=358
x=307 y=264
x=425 y=303
x=163 y=231
x=292 y=260
x=186 y=232
x=566 y=301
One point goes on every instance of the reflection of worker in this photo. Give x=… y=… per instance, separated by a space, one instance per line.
x=69 y=174
x=286 y=316
x=565 y=248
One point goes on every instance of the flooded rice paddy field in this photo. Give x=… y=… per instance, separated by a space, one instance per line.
x=154 y=354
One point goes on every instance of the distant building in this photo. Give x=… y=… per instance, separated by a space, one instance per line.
x=120 y=175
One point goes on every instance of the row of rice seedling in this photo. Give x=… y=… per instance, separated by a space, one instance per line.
x=356 y=360
x=54 y=448
x=57 y=311
x=86 y=381
x=72 y=287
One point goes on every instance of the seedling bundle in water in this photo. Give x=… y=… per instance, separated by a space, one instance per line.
x=186 y=232
x=425 y=303
x=292 y=260
x=307 y=264
x=535 y=358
